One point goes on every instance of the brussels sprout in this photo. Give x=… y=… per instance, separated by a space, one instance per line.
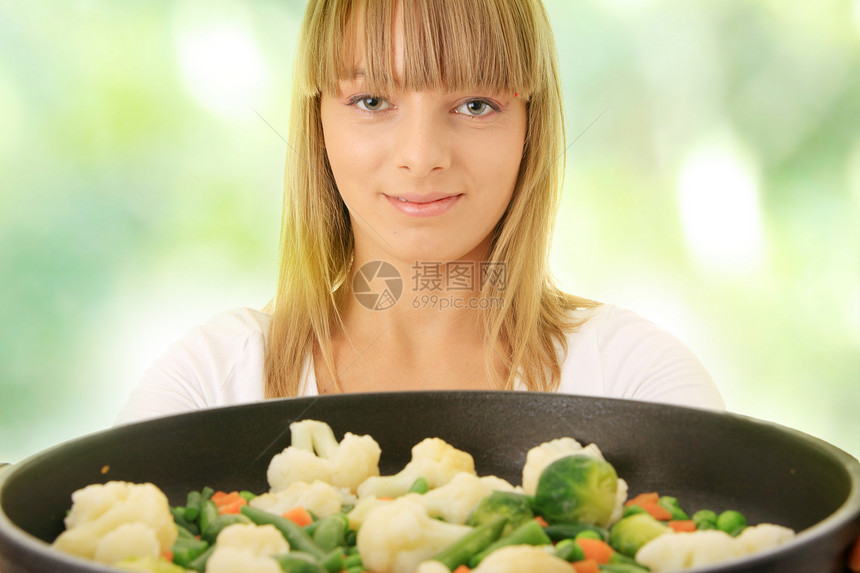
x=514 y=506
x=631 y=533
x=705 y=519
x=577 y=489
x=670 y=504
x=732 y=522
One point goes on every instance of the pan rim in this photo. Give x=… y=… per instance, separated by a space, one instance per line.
x=848 y=511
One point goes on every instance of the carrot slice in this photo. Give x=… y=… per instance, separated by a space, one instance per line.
x=650 y=497
x=299 y=516
x=233 y=507
x=228 y=502
x=656 y=510
x=586 y=566
x=541 y=521
x=682 y=525
x=461 y=569
x=595 y=549
x=854 y=558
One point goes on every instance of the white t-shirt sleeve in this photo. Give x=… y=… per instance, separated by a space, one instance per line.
x=617 y=353
x=218 y=363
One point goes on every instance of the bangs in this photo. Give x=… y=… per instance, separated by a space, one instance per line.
x=448 y=45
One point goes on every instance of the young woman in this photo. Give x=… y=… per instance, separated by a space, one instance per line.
x=422 y=180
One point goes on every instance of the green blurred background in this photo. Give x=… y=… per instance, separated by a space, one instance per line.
x=714 y=187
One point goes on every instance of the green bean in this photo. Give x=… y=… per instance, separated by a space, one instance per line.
x=298 y=562
x=182 y=522
x=622 y=568
x=192 y=505
x=186 y=549
x=471 y=544
x=208 y=514
x=353 y=560
x=199 y=564
x=561 y=531
x=215 y=526
x=530 y=533
x=330 y=532
x=420 y=485
x=297 y=537
x=334 y=561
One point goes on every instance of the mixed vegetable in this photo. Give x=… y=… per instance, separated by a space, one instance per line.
x=329 y=511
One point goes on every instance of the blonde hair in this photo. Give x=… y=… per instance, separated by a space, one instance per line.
x=448 y=44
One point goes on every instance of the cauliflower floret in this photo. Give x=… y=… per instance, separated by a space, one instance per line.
x=397 y=536
x=433 y=459
x=99 y=510
x=315 y=454
x=431 y=567
x=148 y=565
x=680 y=551
x=518 y=558
x=763 y=536
x=539 y=457
x=455 y=500
x=245 y=547
x=318 y=497
x=364 y=506
x=127 y=541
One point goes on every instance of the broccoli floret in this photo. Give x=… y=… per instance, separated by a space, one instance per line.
x=513 y=506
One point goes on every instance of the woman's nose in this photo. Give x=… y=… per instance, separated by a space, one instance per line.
x=422 y=144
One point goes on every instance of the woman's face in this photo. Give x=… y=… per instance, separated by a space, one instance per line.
x=426 y=175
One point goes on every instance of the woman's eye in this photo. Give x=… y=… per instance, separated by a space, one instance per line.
x=371 y=103
x=476 y=108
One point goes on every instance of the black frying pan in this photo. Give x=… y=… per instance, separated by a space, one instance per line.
x=706 y=459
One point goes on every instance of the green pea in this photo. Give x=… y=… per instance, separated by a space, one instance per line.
x=732 y=522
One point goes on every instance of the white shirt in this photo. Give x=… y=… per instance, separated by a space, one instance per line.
x=615 y=353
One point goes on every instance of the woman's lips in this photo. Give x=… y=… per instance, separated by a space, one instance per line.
x=430 y=205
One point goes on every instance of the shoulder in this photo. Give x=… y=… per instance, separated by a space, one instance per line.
x=217 y=363
x=616 y=352
x=226 y=327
